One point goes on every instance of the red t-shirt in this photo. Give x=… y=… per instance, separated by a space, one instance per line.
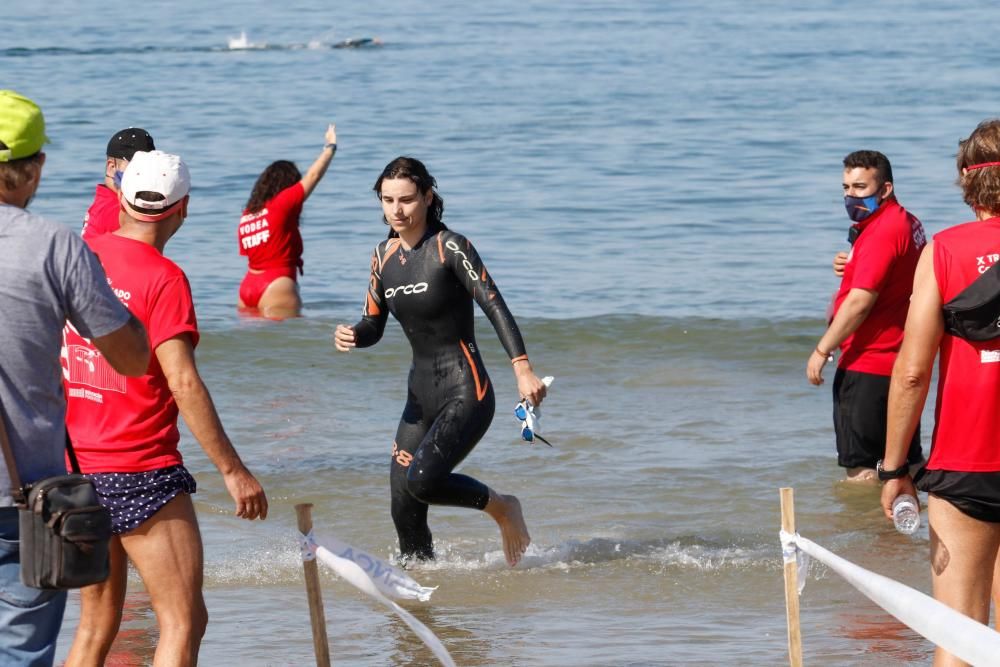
x=883 y=259
x=118 y=423
x=967 y=418
x=270 y=238
x=102 y=216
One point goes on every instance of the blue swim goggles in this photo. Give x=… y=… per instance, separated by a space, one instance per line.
x=525 y=411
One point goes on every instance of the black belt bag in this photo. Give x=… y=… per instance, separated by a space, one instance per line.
x=65 y=532
x=974 y=314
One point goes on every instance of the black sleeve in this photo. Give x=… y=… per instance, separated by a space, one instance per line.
x=468 y=267
x=371 y=326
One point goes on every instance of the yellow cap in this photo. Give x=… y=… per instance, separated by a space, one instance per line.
x=22 y=126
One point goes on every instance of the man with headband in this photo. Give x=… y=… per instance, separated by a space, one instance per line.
x=869 y=312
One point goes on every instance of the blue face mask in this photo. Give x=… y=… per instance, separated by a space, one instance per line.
x=118 y=179
x=859 y=208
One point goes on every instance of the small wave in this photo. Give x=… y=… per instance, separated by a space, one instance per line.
x=241 y=43
x=279 y=562
x=684 y=553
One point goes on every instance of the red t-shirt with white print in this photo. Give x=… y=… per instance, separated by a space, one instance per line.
x=966 y=417
x=119 y=423
x=270 y=238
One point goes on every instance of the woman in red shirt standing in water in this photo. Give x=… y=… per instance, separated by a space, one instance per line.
x=962 y=476
x=269 y=234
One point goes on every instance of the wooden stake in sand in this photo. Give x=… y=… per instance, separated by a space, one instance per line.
x=318 y=619
x=791 y=582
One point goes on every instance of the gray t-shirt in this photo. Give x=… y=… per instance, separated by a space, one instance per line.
x=47 y=276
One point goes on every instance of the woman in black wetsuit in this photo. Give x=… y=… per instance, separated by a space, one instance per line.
x=428 y=276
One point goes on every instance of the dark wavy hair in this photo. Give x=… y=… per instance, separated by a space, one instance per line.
x=278 y=176
x=981 y=187
x=414 y=170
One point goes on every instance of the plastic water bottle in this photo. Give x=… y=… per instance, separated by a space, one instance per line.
x=906 y=514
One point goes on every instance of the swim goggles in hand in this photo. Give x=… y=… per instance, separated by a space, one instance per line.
x=525 y=411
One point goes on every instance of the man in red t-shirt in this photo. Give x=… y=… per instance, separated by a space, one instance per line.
x=102 y=216
x=869 y=312
x=124 y=430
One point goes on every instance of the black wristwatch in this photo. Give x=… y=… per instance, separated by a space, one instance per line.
x=885 y=475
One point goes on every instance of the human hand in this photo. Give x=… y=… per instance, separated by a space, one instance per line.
x=839 y=262
x=894 y=488
x=814 y=367
x=246 y=491
x=331 y=133
x=343 y=338
x=529 y=386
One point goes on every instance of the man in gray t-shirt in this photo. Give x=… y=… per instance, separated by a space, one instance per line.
x=47 y=276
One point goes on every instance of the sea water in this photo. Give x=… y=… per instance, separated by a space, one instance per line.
x=655 y=188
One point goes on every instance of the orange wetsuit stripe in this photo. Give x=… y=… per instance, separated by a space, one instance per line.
x=480 y=390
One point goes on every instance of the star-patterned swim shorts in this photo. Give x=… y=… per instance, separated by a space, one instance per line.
x=133 y=497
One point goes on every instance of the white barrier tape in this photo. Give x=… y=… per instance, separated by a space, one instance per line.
x=392 y=581
x=307 y=547
x=353 y=573
x=788 y=548
x=791 y=553
x=956 y=633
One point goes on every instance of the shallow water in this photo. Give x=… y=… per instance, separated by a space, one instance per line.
x=655 y=189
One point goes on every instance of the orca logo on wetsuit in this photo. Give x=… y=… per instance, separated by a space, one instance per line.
x=415 y=288
x=466 y=264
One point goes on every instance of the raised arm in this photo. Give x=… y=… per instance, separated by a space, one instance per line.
x=315 y=172
x=458 y=253
x=176 y=357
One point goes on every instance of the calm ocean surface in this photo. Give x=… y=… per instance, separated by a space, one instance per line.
x=655 y=187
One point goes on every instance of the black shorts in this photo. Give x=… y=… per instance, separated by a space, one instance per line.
x=976 y=494
x=860 y=406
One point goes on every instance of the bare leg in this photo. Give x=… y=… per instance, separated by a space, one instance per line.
x=167 y=551
x=506 y=511
x=281 y=299
x=100 y=613
x=860 y=475
x=996 y=590
x=963 y=557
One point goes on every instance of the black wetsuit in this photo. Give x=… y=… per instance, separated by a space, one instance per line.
x=450 y=403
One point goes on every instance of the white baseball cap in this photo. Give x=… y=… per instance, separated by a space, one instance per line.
x=154 y=172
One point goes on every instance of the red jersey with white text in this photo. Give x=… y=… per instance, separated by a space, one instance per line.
x=102 y=216
x=967 y=415
x=270 y=237
x=119 y=423
x=883 y=259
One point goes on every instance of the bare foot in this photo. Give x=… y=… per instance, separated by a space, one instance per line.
x=861 y=475
x=506 y=511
